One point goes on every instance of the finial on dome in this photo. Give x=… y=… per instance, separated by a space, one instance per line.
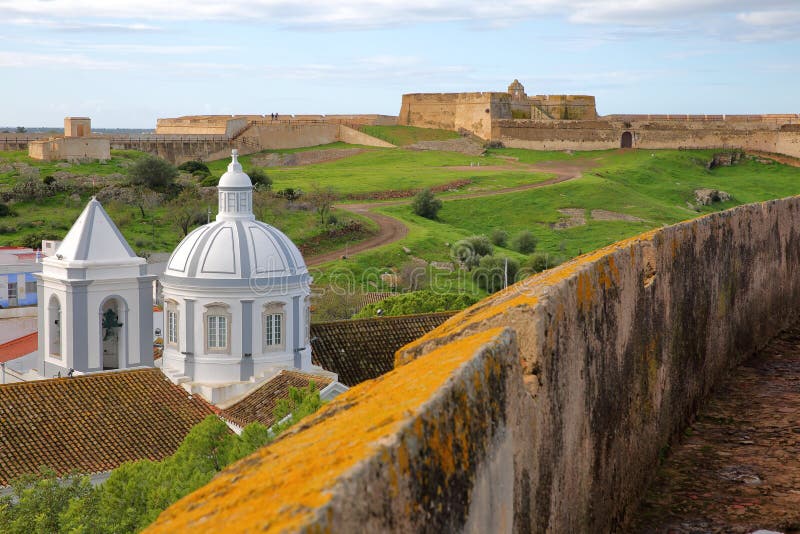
x=234 y=165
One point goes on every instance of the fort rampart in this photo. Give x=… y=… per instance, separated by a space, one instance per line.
x=543 y=408
x=755 y=132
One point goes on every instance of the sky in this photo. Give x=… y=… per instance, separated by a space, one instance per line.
x=126 y=63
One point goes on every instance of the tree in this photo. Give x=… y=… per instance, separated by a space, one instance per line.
x=37 y=501
x=524 y=242
x=426 y=205
x=300 y=403
x=197 y=168
x=494 y=272
x=152 y=172
x=260 y=179
x=499 y=237
x=145 y=199
x=187 y=210
x=322 y=199
x=470 y=250
x=21 y=129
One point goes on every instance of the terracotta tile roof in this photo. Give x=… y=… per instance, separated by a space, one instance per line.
x=260 y=404
x=20 y=346
x=363 y=349
x=93 y=423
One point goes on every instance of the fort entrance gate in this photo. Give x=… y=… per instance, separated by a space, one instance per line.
x=627 y=140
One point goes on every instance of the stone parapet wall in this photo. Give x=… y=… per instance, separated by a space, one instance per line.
x=651 y=134
x=543 y=408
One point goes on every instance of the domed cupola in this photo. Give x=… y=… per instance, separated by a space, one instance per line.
x=236 y=245
x=236 y=296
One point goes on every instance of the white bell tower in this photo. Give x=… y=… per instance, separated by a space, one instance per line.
x=95 y=301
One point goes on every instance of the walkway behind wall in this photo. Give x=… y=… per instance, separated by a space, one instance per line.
x=542 y=408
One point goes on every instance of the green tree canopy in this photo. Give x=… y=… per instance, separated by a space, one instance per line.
x=153 y=172
x=426 y=205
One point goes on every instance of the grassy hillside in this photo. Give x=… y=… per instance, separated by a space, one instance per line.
x=656 y=187
x=408 y=135
x=383 y=169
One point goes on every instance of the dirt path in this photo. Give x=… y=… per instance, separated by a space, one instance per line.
x=738 y=466
x=391 y=229
x=780 y=158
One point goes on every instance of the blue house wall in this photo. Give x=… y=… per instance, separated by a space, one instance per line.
x=28 y=299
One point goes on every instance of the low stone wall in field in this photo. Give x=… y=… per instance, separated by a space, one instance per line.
x=542 y=408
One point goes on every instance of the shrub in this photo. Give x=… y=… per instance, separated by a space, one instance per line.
x=470 y=250
x=499 y=237
x=29 y=188
x=491 y=273
x=210 y=181
x=198 y=168
x=5 y=211
x=153 y=172
x=290 y=194
x=48 y=180
x=260 y=179
x=524 y=242
x=426 y=204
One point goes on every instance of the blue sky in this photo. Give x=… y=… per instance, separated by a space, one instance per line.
x=125 y=63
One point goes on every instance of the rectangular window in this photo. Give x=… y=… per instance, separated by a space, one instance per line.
x=217 y=332
x=12 y=290
x=231 y=201
x=172 y=327
x=30 y=287
x=273 y=329
x=243 y=202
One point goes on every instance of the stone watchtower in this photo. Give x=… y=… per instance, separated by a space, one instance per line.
x=77 y=126
x=517 y=91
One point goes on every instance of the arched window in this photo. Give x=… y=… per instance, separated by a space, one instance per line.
x=171 y=325
x=217 y=319
x=274 y=326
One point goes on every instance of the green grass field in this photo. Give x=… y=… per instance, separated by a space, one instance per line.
x=408 y=135
x=384 y=169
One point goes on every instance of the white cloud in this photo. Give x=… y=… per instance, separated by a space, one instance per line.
x=71 y=61
x=737 y=17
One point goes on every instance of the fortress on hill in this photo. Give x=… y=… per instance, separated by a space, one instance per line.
x=571 y=122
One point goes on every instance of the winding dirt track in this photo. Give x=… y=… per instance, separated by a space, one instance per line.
x=391 y=229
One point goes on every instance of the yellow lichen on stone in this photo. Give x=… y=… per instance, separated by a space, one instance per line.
x=282 y=487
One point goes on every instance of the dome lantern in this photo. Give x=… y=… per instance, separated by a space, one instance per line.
x=235 y=192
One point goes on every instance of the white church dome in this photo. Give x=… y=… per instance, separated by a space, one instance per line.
x=236 y=245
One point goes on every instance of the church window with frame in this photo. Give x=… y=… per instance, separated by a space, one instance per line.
x=274 y=327
x=172 y=323
x=218 y=328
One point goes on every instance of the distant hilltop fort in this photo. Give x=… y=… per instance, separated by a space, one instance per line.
x=570 y=122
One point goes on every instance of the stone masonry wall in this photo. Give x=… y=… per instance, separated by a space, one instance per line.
x=453 y=111
x=543 y=408
x=605 y=134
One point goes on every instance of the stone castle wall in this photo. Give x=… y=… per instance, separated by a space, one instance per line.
x=70 y=149
x=455 y=111
x=543 y=408
x=648 y=134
